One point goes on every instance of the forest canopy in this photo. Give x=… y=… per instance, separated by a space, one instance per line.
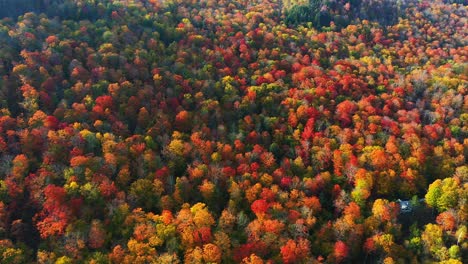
x=245 y=131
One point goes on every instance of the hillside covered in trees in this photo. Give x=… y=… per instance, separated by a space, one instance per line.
x=241 y=131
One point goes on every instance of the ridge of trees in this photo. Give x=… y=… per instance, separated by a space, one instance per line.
x=344 y=12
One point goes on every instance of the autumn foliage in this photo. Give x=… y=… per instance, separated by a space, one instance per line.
x=232 y=132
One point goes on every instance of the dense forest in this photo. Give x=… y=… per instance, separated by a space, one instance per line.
x=233 y=131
